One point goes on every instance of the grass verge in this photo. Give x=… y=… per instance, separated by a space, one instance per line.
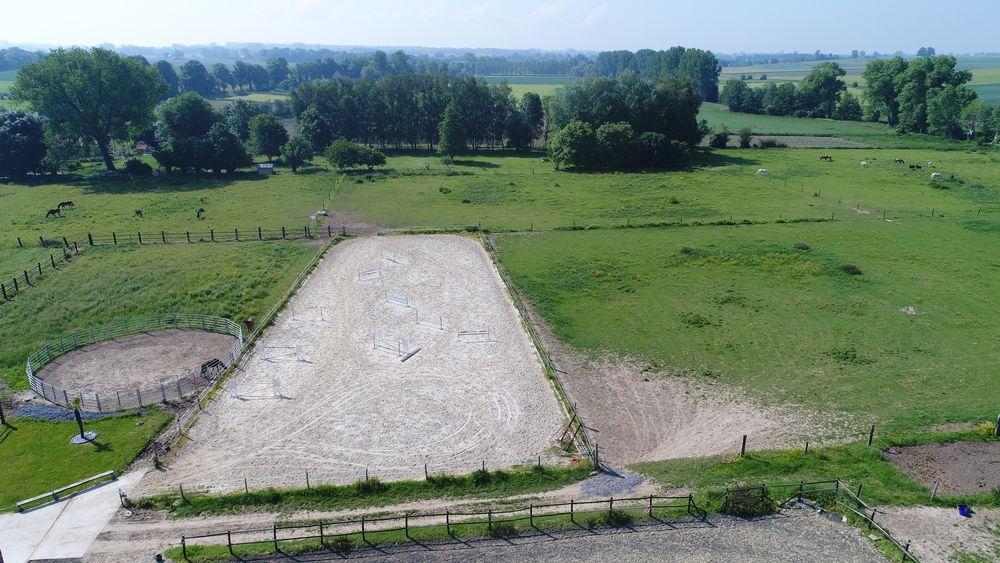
x=372 y=492
x=39 y=457
x=856 y=463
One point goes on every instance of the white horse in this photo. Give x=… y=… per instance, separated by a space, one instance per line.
x=864 y=164
x=763 y=172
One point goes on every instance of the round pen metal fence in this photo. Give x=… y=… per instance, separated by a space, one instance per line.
x=165 y=390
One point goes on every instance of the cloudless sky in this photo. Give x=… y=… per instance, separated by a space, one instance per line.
x=721 y=25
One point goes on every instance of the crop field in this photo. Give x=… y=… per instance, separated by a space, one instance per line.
x=541 y=84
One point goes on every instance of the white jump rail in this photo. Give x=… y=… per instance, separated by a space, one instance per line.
x=53 y=496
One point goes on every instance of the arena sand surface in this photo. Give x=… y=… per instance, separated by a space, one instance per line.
x=137 y=360
x=346 y=406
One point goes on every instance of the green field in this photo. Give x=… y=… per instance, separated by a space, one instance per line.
x=232 y=280
x=243 y=200
x=873 y=134
x=786 y=325
x=39 y=457
x=502 y=192
x=541 y=84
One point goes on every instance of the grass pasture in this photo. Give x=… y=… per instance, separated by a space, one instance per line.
x=747 y=307
x=244 y=200
x=232 y=280
x=522 y=191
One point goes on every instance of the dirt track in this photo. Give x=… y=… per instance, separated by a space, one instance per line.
x=136 y=361
x=636 y=415
x=962 y=467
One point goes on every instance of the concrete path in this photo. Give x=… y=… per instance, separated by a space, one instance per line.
x=62 y=530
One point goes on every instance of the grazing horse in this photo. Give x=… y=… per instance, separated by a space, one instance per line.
x=65 y=204
x=53 y=213
x=915 y=167
x=200 y=213
x=864 y=164
x=138 y=213
x=826 y=157
x=763 y=172
x=930 y=165
x=900 y=161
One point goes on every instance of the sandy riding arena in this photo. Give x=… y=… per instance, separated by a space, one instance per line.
x=396 y=352
x=136 y=361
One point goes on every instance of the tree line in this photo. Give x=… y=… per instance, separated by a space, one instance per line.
x=700 y=67
x=14 y=58
x=405 y=111
x=820 y=94
x=922 y=95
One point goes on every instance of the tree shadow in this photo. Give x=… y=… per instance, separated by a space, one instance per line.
x=704 y=158
x=474 y=163
x=167 y=183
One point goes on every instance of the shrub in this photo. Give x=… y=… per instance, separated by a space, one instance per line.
x=444 y=190
x=137 y=167
x=504 y=530
x=687 y=250
x=342 y=546
x=466 y=201
x=370 y=486
x=850 y=269
x=617 y=519
x=481 y=477
x=719 y=139
x=801 y=246
x=674 y=201
x=696 y=320
x=771 y=144
x=746 y=136
x=748 y=503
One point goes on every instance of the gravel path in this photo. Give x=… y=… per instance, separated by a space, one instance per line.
x=941 y=534
x=798 y=535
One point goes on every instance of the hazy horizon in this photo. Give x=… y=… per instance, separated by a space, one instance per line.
x=585 y=25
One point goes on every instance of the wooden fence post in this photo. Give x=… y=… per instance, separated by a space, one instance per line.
x=871 y=435
x=16 y=288
x=260 y=235
x=321 y=532
x=236 y=234
x=188 y=233
x=229 y=542
x=274 y=536
x=65 y=242
x=212 y=232
x=996 y=431
x=406 y=526
x=363 y=529
x=307 y=481
x=282 y=232
x=3 y=288
x=52 y=259
x=19 y=243
x=184 y=548
x=571 y=511
x=447 y=522
x=140 y=237
x=743 y=448
x=41 y=241
x=114 y=238
x=163 y=237
x=90 y=239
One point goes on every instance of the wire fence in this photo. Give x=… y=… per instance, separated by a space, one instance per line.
x=34 y=274
x=234 y=234
x=165 y=390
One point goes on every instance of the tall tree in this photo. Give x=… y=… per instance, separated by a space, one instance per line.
x=22 y=145
x=223 y=77
x=238 y=115
x=169 y=76
x=267 y=135
x=277 y=70
x=296 y=152
x=97 y=94
x=451 y=134
x=194 y=77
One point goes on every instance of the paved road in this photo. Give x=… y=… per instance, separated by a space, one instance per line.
x=796 y=535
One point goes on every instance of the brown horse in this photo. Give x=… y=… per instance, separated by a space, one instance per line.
x=200 y=213
x=138 y=213
x=65 y=204
x=53 y=213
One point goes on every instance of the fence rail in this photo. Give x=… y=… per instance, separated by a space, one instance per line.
x=488 y=520
x=231 y=234
x=34 y=273
x=167 y=389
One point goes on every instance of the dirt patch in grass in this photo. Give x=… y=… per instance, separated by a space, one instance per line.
x=962 y=467
x=136 y=361
x=942 y=534
x=637 y=415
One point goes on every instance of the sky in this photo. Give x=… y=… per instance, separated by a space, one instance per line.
x=724 y=26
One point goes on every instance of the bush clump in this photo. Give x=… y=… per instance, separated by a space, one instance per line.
x=504 y=530
x=370 y=486
x=617 y=519
x=444 y=190
x=137 y=167
x=802 y=246
x=687 y=250
x=771 y=144
x=850 y=269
